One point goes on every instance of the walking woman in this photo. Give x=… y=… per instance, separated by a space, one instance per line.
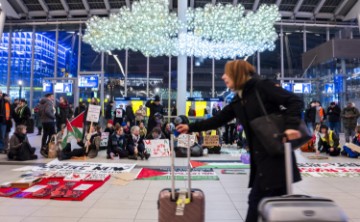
x=267 y=176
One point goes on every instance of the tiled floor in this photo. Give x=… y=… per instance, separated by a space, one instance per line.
x=225 y=199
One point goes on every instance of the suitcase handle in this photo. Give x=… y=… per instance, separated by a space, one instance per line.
x=172 y=139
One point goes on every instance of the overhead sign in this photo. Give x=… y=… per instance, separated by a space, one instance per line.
x=93 y=113
x=63 y=87
x=287 y=86
x=89 y=81
x=47 y=87
x=302 y=88
x=329 y=88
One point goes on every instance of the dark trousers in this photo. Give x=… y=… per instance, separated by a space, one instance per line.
x=68 y=153
x=131 y=149
x=48 y=131
x=256 y=195
x=120 y=152
x=229 y=134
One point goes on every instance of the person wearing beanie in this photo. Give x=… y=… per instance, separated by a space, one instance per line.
x=267 y=172
x=155 y=107
x=329 y=142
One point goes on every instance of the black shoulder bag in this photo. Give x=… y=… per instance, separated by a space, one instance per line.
x=269 y=128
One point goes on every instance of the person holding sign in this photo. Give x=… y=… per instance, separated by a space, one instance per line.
x=119 y=114
x=267 y=172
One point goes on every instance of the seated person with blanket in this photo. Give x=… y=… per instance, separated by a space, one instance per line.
x=135 y=145
x=117 y=144
x=351 y=149
x=20 y=148
x=328 y=141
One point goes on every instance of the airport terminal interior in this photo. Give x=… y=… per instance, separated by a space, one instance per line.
x=91 y=92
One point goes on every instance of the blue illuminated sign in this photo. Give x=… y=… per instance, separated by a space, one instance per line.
x=329 y=88
x=89 y=81
x=287 y=86
x=63 y=87
x=47 y=87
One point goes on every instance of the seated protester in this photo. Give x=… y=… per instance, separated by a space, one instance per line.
x=155 y=134
x=167 y=130
x=328 y=141
x=135 y=145
x=347 y=151
x=143 y=130
x=20 y=148
x=110 y=127
x=117 y=144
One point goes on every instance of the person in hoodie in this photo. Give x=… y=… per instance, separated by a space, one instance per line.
x=47 y=117
x=63 y=112
x=129 y=112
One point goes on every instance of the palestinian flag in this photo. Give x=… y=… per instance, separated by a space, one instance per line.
x=180 y=174
x=77 y=126
x=218 y=165
x=74 y=129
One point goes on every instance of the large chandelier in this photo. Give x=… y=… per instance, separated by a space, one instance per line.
x=215 y=31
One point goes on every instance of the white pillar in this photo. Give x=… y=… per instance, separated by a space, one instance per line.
x=282 y=52
x=169 y=91
x=33 y=37
x=2 y=21
x=327 y=34
x=304 y=40
x=126 y=70
x=77 y=92
x=56 y=51
x=181 y=65
x=191 y=75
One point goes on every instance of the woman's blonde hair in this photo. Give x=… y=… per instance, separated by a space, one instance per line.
x=240 y=72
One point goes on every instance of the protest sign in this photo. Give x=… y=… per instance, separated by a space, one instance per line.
x=157 y=148
x=93 y=113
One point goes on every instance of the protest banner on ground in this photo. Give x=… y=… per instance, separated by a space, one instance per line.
x=85 y=167
x=157 y=148
x=180 y=174
x=329 y=169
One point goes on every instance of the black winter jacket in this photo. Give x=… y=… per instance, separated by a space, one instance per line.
x=268 y=171
x=333 y=113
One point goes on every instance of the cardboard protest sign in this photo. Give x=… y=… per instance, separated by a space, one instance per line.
x=211 y=140
x=93 y=113
x=353 y=147
x=186 y=140
x=104 y=139
x=157 y=148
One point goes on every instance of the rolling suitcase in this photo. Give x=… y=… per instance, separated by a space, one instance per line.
x=298 y=207
x=176 y=205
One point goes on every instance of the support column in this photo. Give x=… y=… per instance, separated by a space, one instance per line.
x=327 y=34
x=126 y=70
x=169 y=91
x=258 y=64
x=8 y=82
x=181 y=64
x=282 y=53
x=2 y=21
x=77 y=92
x=191 y=75
x=102 y=83
x=342 y=96
x=304 y=40
x=56 y=51
x=33 y=37
x=147 y=75
x=213 y=79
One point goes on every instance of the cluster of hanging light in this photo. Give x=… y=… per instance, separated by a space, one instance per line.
x=215 y=31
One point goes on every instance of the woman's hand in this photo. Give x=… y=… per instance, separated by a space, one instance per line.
x=292 y=134
x=182 y=128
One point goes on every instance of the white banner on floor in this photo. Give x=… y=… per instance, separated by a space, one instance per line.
x=85 y=167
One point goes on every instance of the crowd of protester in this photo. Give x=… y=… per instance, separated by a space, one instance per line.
x=127 y=128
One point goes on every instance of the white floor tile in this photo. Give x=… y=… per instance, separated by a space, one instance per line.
x=111 y=213
x=52 y=219
x=50 y=211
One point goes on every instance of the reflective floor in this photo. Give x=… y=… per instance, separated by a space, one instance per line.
x=226 y=199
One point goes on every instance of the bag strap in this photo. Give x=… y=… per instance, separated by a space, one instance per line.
x=261 y=103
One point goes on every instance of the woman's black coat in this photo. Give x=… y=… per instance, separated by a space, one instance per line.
x=268 y=171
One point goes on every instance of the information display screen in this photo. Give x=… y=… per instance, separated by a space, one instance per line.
x=89 y=81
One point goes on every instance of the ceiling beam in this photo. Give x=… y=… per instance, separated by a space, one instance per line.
x=278 y=2
x=340 y=7
x=256 y=5
x=319 y=6
x=86 y=5
x=107 y=5
x=298 y=6
x=44 y=6
x=66 y=7
x=23 y=6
